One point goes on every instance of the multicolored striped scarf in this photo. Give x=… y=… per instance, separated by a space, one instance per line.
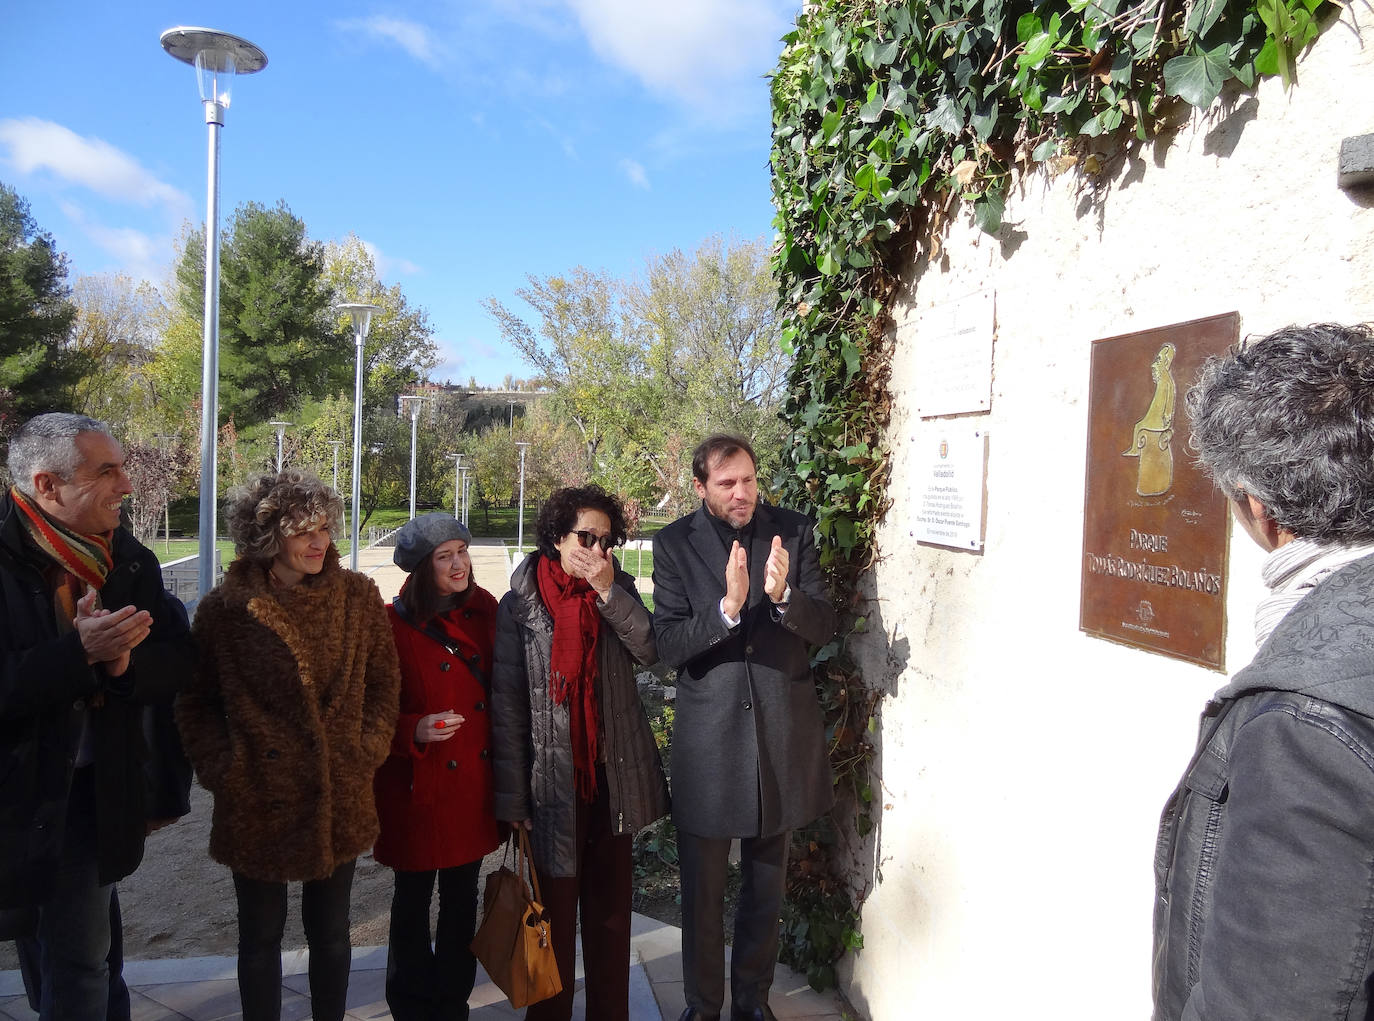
x=85 y=557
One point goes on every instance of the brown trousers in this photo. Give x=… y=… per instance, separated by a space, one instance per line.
x=602 y=889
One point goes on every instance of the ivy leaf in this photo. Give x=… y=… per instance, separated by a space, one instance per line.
x=885 y=54
x=984 y=119
x=872 y=110
x=1197 y=78
x=1066 y=103
x=946 y=116
x=829 y=125
x=1045 y=150
x=1203 y=16
x=1028 y=25
x=1038 y=47
x=850 y=353
x=829 y=262
x=988 y=210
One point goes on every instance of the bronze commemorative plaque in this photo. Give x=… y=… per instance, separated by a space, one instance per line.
x=1155 y=529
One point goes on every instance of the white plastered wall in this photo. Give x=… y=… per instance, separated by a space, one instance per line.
x=1023 y=764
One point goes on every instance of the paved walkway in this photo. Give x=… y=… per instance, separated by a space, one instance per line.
x=205 y=988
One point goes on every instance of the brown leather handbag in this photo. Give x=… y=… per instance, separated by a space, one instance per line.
x=513 y=942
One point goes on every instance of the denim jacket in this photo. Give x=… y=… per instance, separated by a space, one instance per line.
x=1264 y=868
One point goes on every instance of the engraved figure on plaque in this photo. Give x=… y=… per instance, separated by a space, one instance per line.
x=1153 y=436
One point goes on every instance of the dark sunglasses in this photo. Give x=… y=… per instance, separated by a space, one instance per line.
x=589 y=539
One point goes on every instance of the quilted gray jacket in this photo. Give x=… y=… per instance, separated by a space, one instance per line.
x=1264 y=867
x=531 y=749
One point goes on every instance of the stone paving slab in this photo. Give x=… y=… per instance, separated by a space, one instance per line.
x=205 y=988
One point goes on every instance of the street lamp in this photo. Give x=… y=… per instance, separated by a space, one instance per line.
x=362 y=319
x=217 y=57
x=281 y=431
x=414 y=425
x=520 y=535
x=466 y=480
x=457 y=484
x=336 y=444
x=511 y=427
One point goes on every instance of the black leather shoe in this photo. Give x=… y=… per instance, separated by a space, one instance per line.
x=691 y=1015
x=763 y=1013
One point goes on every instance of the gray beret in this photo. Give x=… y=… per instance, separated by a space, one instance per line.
x=417 y=539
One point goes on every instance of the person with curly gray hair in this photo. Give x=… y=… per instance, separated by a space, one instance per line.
x=290 y=711
x=1264 y=878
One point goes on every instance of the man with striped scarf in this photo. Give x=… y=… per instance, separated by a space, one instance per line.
x=88 y=636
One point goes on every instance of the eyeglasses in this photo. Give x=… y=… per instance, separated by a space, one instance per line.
x=589 y=539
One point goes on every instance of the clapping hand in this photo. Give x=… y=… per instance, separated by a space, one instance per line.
x=109 y=636
x=736 y=581
x=775 y=571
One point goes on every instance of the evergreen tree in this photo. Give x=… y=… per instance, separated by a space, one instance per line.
x=36 y=314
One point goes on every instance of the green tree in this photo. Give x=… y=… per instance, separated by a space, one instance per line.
x=644 y=368
x=117 y=331
x=279 y=342
x=589 y=359
x=36 y=313
x=400 y=349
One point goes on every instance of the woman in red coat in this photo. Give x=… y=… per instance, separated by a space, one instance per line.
x=434 y=792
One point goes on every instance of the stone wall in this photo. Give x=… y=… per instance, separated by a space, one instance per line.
x=1024 y=763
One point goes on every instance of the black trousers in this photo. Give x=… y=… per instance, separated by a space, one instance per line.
x=427 y=982
x=262 y=920
x=763 y=866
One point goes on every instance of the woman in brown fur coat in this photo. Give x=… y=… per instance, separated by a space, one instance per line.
x=291 y=710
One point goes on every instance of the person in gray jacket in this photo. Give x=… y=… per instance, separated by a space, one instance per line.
x=1264 y=867
x=574 y=760
x=739 y=601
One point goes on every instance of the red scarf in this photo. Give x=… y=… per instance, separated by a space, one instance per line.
x=572 y=678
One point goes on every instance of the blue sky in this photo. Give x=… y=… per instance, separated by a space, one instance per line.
x=469 y=142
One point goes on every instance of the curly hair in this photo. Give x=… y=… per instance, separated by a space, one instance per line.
x=559 y=515
x=262 y=512
x=1289 y=420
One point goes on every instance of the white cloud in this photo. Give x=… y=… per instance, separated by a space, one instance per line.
x=411 y=36
x=36 y=145
x=634 y=170
x=142 y=256
x=699 y=52
x=388 y=266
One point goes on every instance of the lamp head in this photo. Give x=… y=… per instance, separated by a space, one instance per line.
x=362 y=316
x=217 y=58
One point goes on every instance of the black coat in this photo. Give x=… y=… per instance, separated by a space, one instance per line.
x=45 y=682
x=749 y=753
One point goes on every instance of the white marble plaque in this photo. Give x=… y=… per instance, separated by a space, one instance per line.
x=949 y=485
x=954 y=357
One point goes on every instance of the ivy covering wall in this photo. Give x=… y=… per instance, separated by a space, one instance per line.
x=889 y=120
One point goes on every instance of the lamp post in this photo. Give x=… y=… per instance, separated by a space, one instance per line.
x=416 y=402
x=217 y=57
x=362 y=319
x=520 y=535
x=281 y=431
x=457 y=484
x=464 y=518
x=336 y=444
x=511 y=427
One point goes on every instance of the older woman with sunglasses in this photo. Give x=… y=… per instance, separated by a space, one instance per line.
x=574 y=759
